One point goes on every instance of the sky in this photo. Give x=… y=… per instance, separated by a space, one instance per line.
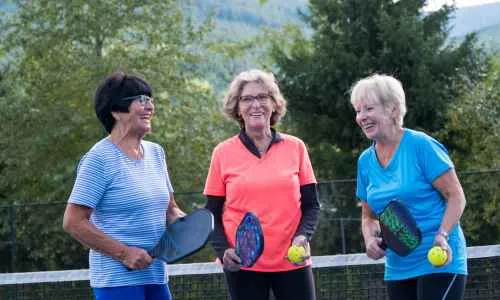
x=436 y=4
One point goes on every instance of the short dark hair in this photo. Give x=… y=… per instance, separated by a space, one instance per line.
x=110 y=93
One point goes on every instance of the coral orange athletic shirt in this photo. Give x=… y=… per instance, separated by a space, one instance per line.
x=268 y=186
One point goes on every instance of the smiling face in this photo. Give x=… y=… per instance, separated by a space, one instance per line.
x=374 y=119
x=138 y=119
x=255 y=106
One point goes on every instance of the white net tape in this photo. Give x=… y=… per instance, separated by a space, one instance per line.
x=211 y=268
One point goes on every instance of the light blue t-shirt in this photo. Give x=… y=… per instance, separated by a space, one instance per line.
x=416 y=163
x=129 y=199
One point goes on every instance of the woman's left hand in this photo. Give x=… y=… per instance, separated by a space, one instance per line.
x=442 y=242
x=301 y=241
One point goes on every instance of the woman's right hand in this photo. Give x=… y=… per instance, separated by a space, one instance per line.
x=373 y=247
x=231 y=261
x=371 y=232
x=135 y=258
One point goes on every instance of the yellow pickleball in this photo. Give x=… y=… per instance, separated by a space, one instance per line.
x=296 y=254
x=437 y=256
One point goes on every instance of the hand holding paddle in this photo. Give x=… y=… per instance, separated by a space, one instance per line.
x=231 y=260
x=135 y=258
x=184 y=237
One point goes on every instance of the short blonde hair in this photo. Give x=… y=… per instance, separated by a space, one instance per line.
x=383 y=89
x=267 y=80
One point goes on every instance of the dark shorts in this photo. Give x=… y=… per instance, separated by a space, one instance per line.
x=296 y=284
x=428 y=287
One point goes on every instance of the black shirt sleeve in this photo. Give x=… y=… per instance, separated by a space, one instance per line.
x=218 y=240
x=309 y=205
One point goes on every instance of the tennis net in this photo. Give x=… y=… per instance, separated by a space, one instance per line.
x=350 y=276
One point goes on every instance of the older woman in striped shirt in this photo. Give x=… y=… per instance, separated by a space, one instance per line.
x=122 y=197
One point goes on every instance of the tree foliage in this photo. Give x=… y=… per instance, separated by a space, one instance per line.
x=352 y=39
x=53 y=56
x=473 y=134
x=60 y=52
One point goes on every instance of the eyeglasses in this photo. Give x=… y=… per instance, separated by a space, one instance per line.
x=142 y=99
x=261 y=98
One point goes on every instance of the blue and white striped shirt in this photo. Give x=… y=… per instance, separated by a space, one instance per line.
x=129 y=199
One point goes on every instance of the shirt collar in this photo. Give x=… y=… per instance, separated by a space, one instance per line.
x=250 y=145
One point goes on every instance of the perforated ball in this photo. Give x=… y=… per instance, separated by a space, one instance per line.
x=296 y=254
x=437 y=256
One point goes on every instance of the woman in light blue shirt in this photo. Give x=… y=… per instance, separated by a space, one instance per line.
x=122 y=197
x=415 y=168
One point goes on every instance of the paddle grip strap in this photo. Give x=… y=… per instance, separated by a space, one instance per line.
x=215 y=204
x=309 y=205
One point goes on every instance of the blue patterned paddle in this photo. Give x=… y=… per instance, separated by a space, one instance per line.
x=249 y=240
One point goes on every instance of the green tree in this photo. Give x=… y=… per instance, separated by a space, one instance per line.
x=473 y=134
x=352 y=39
x=54 y=54
x=59 y=53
